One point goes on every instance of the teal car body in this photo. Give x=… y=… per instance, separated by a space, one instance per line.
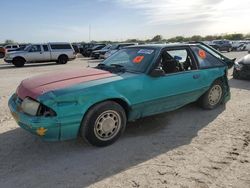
x=140 y=93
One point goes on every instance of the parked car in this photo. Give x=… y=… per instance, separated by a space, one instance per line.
x=76 y=48
x=238 y=45
x=59 y=52
x=242 y=68
x=87 y=46
x=135 y=82
x=114 y=48
x=222 y=45
x=96 y=47
x=96 y=53
x=21 y=48
x=247 y=47
x=11 y=47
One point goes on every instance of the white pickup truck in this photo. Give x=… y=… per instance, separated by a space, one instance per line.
x=58 y=52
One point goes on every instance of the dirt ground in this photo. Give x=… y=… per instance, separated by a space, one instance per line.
x=189 y=147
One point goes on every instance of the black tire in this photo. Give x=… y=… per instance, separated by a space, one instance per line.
x=236 y=74
x=93 y=132
x=62 y=59
x=207 y=102
x=18 y=62
x=2 y=55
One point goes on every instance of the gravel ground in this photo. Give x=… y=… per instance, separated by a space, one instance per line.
x=189 y=147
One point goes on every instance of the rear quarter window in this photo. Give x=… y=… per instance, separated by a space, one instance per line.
x=205 y=59
x=60 y=46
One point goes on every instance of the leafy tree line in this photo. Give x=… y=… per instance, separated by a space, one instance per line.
x=159 y=38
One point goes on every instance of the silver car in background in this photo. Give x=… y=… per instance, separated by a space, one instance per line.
x=50 y=52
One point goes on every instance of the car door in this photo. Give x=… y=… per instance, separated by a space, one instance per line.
x=176 y=89
x=35 y=53
x=46 y=52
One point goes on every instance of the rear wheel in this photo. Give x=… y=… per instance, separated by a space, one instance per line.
x=62 y=59
x=213 y=97
x=18 y=62
x=103 y=124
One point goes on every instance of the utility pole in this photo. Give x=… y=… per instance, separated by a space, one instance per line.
x=89 y=32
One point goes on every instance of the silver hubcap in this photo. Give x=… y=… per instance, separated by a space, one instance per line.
x=215 y=95
x=107 y=125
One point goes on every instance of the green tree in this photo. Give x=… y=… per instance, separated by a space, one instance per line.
x=8 y=41
x=196 y=38
x=157 y=38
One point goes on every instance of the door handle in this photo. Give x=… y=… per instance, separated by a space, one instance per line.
x=196 y=76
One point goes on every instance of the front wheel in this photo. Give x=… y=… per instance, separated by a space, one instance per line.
x=213 y=97
x=18 y=62
x=103 y=124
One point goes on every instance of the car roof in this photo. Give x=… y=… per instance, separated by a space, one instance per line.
x=160 y=46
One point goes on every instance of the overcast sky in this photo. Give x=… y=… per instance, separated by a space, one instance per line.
x=67 y=20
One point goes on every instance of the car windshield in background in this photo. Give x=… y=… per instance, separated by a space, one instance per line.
x=113 y=47
x=27 y=48
x=107 y=47
x=131 y=59
x=96 y=47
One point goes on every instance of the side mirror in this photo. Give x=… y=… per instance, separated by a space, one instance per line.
x=157 y=72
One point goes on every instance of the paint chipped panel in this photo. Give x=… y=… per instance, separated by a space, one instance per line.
x=33 y=87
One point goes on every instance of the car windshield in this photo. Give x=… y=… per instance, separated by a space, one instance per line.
x=27 y=48
x=131 y=59
x=107 y=47
x=113 y=47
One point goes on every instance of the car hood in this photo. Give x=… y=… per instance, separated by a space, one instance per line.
x=15 y=52
x=35 y=86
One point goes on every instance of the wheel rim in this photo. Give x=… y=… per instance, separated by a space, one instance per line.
x=215 y=95
x=107 y=125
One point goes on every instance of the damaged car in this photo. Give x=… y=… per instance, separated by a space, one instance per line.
x=137 y=81
x=242 y=68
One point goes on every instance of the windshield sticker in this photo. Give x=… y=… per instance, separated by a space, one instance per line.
x=145 y=51
x=138 y=59
x=202 y=54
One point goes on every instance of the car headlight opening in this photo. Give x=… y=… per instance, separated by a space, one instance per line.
x=30 y=106
x=34 y=108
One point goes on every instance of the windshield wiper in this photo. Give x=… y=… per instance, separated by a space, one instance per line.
x=118 y=67
x=114 y=68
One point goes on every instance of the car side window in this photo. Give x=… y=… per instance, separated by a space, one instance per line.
x=45 y=48
x=35 y=48
x=205 y=59
x=176 y=60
